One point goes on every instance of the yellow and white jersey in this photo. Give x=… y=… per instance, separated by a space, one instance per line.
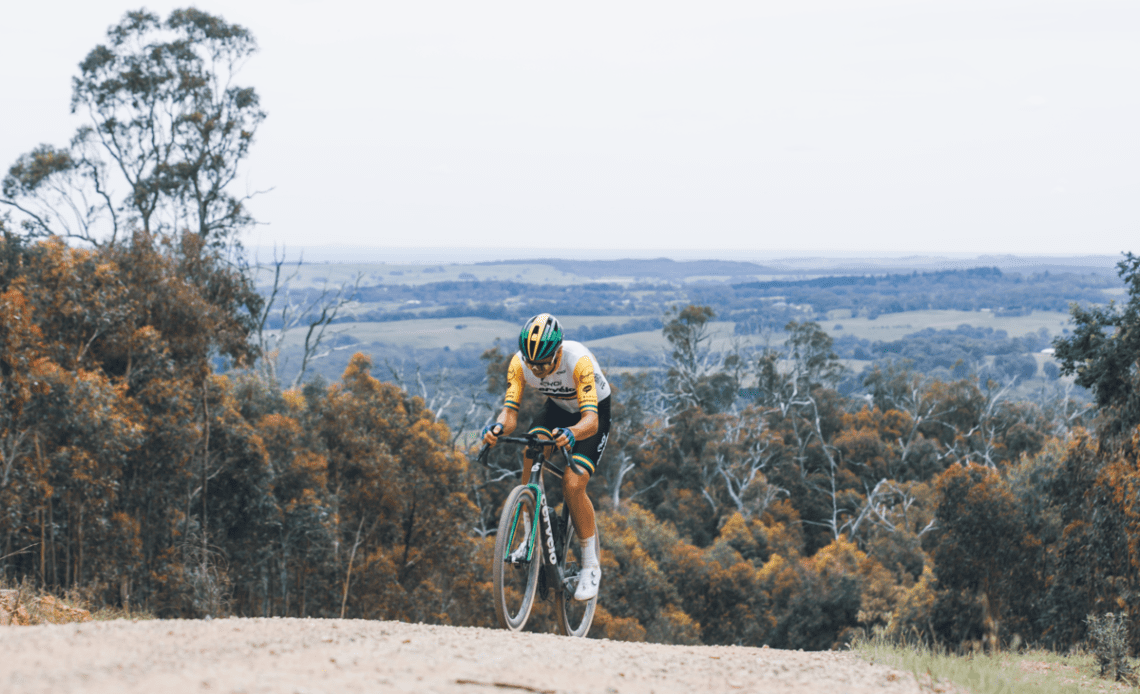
x=576 y=385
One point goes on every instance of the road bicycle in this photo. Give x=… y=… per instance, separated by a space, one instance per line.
x=542 y=558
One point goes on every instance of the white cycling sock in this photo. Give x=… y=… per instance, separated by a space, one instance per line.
x=526 y=527
x=590 y=551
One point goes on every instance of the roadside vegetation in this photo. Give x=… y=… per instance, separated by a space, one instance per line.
x=1103 y=657
x=1007 y=672
x=28 y=603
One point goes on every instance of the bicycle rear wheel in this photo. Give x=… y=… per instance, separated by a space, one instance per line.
x=574 y=618
x=515 y=581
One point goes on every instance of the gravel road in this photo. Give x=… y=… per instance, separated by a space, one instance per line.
x=307 y=656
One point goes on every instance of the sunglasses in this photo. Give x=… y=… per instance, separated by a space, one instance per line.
x=545 y=364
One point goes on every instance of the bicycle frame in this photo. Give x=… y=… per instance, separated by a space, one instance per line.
x=535 y=449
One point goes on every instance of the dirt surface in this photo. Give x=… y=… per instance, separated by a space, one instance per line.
x=307 y=656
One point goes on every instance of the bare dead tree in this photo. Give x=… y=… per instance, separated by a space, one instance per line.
x=979 y=442
x=735 y=467
x=329 y=303
x=623 y=464
x=888 y=505
x=313 y=312
x=459 y=404
x=348 y=572
x=909 y=392
x=436 y=391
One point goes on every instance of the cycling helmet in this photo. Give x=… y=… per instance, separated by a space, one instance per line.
x=540 y=338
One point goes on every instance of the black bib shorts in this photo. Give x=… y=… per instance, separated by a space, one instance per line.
x=586 y=454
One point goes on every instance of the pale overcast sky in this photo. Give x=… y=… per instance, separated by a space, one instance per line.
x=969 y=126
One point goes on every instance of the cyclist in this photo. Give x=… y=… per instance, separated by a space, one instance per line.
x=576 y=416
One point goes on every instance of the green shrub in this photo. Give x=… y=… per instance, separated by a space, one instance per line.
x=1108 y=637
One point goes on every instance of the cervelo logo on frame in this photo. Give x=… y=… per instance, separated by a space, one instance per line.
x=549 y=533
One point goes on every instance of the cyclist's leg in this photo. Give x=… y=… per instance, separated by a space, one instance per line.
x=584 y=462
x=581 y=509
x=582 y=513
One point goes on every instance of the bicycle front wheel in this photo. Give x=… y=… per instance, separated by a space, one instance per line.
x=574 y=618
x=515 y=576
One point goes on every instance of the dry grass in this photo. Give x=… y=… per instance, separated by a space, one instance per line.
x=25 y=604
x=1024 y=672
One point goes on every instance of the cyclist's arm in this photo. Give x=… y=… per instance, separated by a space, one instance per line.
x=587 y=426
x=509 y=416
x=509 y=419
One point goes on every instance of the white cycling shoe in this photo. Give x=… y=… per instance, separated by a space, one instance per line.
x=588 y=581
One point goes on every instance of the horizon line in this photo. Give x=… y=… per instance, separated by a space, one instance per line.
x=349 y=253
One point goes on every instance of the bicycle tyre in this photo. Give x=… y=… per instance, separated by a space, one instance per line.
x=574 y=618
x=514 y=583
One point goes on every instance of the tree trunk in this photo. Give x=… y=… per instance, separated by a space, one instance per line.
x=67 y=555
x=54 y=560
x=79 y=564
x=205 y=475
x=304 y=588
x=43 y=549
x=43 y=555
x=348 y=574
x=284 y=583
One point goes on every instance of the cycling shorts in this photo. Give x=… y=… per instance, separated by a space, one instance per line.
x=587 y=453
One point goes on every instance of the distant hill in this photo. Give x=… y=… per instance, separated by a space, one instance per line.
x=799 y=268
x=1022 y=265
x=663 y=268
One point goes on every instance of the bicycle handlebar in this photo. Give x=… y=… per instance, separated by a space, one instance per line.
x=530 y=441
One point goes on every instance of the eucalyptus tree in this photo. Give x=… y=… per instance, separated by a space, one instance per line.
x=1103 y=353
x=166 y=130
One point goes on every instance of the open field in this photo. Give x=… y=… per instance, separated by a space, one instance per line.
x=316 y=275
x=892 y=326
x=326 y=655
x=887 y=327
x=653 y=341
x=432 y=333
x=569 y=323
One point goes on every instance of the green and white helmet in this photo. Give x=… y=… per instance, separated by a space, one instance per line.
x=540 y=338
